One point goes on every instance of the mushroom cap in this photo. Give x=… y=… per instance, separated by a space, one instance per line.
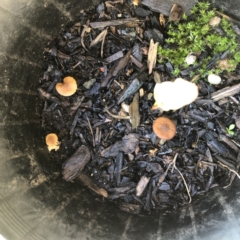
x=214 y=21
x=174 y=95
x=214 y=79
x=68 y=87
x=164 y=128
x=52 y=142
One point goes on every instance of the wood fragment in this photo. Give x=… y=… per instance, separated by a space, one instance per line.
x=152 y=55
x=91 y=185
x=230 y=169
x=122 y=63
x=63 y=55
x=116 y=116
x=185 y=183
x=233 y=174
x=175 y=13
x=116 y=68
x=86 y=26
x=226 y=140
x=114 y=57
x=134 y=111
x=112 y=23
x=162 y=20
x=130 y=208
x=91 y=130
x=130 y=90
x=136 y=62
x=141 y=186
x=119 y=164
x=228 y=18
x=77 y=104
x=75 y=122
x=99 y=38
x=76 y=163
x=225 y=92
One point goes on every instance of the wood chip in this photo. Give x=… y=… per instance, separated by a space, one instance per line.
x=225 y=92
x=89 y=183
x=152 y=55
x=76 y=163
x=176 y=13
x=142 y=184
x=112 y=23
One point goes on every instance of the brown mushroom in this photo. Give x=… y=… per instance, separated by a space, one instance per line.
x=68 y=87
x=164 y=128
x=52 y=142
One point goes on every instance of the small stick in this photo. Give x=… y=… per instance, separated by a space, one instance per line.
x=116 y=116
x=209 y=163
x=121 y=170
x=103 y=41
x=91 y=185
x=228 y=18
x=231 y=170
x=91 y=131
x=185 y=183
x=83 y=33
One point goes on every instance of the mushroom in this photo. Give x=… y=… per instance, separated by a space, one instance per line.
x=214 y=79
x=174 y=95
x=190 y=59
x=52 y=142
x=164 y=128
x=214 y=21
x=68 y=87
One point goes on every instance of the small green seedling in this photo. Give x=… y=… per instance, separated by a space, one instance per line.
x=230 y=129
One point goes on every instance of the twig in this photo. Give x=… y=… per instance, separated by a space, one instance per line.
x=103 y=41
x=231 y=170
x=174 y=166
x=121 y=170
x=236 y=143
x=91 y=131
x=116 y=116
x=209 y=163
x=228 y=18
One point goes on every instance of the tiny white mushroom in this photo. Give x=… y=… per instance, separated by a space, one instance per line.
x=214 y=79
x=190 y=59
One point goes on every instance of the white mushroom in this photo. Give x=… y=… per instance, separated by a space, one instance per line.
x=214 y=79
x=174 y=95
x=190 y=59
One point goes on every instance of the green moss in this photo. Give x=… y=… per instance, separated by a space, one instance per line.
x=197 y=35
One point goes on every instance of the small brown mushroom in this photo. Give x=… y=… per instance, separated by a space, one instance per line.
x=164 y=128
x=52 y=142
x=68 y=87
x=214 y=21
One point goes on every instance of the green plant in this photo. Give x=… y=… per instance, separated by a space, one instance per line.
x=195 y=36
x=230 y=129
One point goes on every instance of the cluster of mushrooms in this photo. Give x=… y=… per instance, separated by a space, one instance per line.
x=168 y=96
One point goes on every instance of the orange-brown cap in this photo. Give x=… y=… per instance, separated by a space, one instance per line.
x=52 y=142
x=164 y=128
x=68 y=87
